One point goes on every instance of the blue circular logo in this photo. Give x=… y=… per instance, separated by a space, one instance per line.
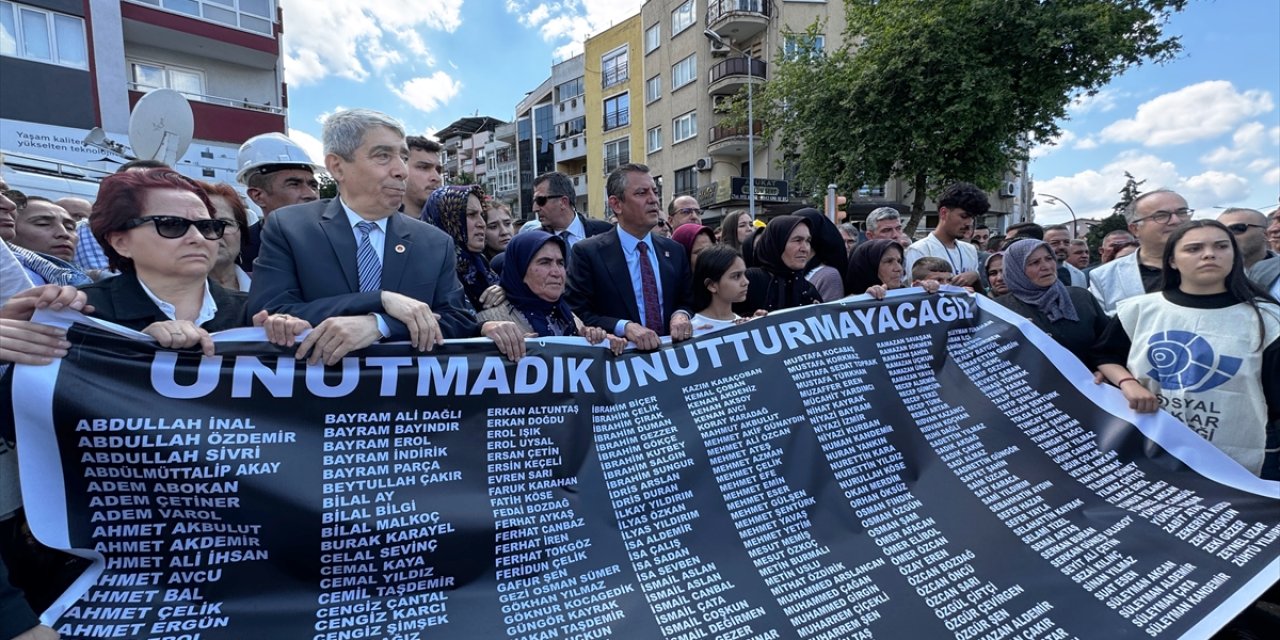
x=1182 y=360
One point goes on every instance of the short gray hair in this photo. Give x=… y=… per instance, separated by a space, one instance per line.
x=882 y=213
x=344 y=130
x=1080 y=242
x=615 y=186
x=849 y=228
x=1258 y=216
x=1131 y=210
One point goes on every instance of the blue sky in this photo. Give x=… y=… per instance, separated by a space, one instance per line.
x=1206 y=124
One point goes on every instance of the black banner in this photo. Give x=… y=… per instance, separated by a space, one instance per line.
x=912 y=468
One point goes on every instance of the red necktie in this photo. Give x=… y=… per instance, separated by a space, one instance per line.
x=649 y=287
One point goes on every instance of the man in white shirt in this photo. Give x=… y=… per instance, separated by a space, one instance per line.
x=958 y=205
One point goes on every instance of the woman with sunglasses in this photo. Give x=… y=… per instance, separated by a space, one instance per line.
x=158 y=230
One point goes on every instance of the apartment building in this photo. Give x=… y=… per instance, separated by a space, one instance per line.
x=614 y=102
x=462 y=156
x=72 y=65
x=570 y=117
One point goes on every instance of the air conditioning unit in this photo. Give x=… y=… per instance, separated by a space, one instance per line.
x=1008 y=190
x=704 y=163
x=719 y=49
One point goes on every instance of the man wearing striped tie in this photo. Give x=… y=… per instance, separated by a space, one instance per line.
x=354 y=266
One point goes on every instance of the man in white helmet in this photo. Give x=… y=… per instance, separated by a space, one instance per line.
x=278 y=173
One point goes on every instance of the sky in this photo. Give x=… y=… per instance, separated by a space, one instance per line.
x=1205 y=124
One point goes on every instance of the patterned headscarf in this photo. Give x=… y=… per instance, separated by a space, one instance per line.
x=1053 y=300
x=446 y=208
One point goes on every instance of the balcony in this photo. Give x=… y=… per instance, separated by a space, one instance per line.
x=571 y=147
x=224 y=119
x=579 y=184
x=731 y=75
x=738 y=19
x=732 y=141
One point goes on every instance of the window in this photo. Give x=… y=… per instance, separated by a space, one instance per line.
x=616 y=154
x=655 y=139
x=682 y=17
x=652 y=89
x=42 y=36
x=871 y=191
x=570 y=89
x=145 y=76
x=613 y=67
x=686 y=182
x=616 y=112
x=250 y=15
x=684 y=127
x=571 y=128
x=793 y=43
x=652 y=37
x=684 y=72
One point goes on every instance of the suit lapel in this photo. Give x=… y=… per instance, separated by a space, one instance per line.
x=337 y=228
x=395 y=253
x=666 y=275
x=621 y=278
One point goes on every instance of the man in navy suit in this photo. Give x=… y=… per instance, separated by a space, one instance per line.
x=353 y=266
x=610 y=284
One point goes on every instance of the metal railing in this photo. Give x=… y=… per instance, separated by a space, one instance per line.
x=717 y=9
x=219 y=100
x=739 y=67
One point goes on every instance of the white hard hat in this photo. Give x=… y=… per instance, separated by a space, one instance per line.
x=270 y=152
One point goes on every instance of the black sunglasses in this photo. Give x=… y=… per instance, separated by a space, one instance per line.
x=1243 y=227
x=541 y=201
x=176 y=227
x=19 y=198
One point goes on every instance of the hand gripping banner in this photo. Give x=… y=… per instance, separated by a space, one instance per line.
x=921 y=467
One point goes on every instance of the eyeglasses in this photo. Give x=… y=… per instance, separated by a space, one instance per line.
x=664 y=224
x=1241 y=228
x=541 y=201
x=19 y=198
x=689 y=211
x=1162 y=216
x=175 y=227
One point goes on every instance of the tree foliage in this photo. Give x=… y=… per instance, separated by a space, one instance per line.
x=1114 y=222
x=328 y=186
x=934 y=91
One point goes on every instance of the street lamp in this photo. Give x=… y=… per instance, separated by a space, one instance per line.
x=1056 y=200
x=751 y=141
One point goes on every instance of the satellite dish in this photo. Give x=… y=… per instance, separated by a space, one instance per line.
x=161 y=126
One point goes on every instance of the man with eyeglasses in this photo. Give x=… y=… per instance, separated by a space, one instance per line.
x=553 y=196
x=1249 y=226
x=683 y=210
x=958 y=205
x=1152 y=217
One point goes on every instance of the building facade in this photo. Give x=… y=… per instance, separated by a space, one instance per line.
x=614 y=105
x=72 y=65
x=535 y=142
x=570 y=116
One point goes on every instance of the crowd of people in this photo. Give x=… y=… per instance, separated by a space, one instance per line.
x=1175 y=310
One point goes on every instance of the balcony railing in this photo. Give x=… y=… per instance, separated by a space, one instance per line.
x=619 y=118
x=717 y=9
x=738 y=67
x=722 y=133
x=219 y=100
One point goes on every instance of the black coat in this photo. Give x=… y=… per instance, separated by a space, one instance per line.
x=121 y=300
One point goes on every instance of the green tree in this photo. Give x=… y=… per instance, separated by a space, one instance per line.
x=943 y=90
x=328 y=186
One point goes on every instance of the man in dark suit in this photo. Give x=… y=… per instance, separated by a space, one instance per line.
x=353 y=266
x=628 y=280
x=553 y=196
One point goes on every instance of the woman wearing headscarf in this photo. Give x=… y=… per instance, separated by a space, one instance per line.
x=459 y=212
x=777 y=281
x=694 y=238
x=874 y=268
x=1070 y=315
x=533 y=281
x=829 y=255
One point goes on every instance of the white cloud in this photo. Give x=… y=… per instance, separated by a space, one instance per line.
x=1260 y=165
x=1086 y=143
x=310 y=144
x=347 y=38
x=571 y=22
x=1246 y=143
x=428 y=92
x=1041 y=150
x=1102 y=101
x=1093 y=192
x=1275 y=135
x=1196 y=112
x=1272 y=176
